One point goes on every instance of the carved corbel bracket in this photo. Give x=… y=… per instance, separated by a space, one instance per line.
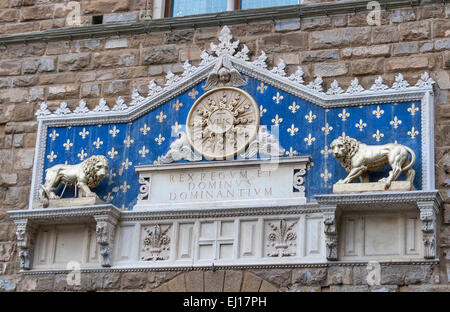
x=105 y=229
x=25 y=232
x=429 y=212
x=330 y=227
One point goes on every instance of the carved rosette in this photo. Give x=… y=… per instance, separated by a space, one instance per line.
x=222 y=123
x=429 y=228
x=282 y=239
x=105 y=230
x=25 y=233
x=331 y=236
x=156 y=243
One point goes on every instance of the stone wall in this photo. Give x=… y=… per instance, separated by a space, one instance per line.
x=18 y=16
x=410 y=41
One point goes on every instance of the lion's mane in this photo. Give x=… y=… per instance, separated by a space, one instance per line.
x=93 y=179
x=351 y=147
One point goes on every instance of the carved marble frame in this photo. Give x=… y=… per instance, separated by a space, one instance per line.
x=176 y=85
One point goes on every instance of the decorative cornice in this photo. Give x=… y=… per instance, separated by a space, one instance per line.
x=234 y=267
x=57 y=214
x=380 y=198
x=207 y=20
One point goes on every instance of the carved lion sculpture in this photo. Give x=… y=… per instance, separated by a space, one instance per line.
x=83 y=176
x=358 y=158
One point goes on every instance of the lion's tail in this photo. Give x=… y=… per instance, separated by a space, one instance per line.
x=413 y=159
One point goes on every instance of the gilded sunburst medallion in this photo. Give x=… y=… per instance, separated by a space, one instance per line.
x=222 y=122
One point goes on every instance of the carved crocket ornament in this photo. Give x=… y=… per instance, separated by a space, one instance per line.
x=358 y=159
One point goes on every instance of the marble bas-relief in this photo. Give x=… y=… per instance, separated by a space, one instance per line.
x=82 y=177
x=222 y=184
x=358 y=159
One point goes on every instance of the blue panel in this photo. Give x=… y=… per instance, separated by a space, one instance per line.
x=301 y=126
x=253 y=4
x=190 y=7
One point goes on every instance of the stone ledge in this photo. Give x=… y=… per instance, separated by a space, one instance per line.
x=205 y=20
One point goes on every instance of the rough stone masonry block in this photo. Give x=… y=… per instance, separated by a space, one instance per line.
x=214 y=280
x=287 y=25
x=132 y=280
x=278 y=277
x=415 y=31
x=37 y=12
x=405 y=48
x=62 y=92
x=367 y=66
x=9 y=67
x=385 y=34
x=105 y=6
x=309 y=276
x=160 y=55
x=330 y=69
x=114 y=58
x=73 y=62
x=194 y=281
x=410 y=62
x=233 y=280
x=340 y=37
x=250 y=283
x=177 y=284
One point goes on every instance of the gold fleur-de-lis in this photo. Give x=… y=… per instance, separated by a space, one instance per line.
x=278 y=98
x=309 y=165
x=292 y=130
x=395 y=122
x=128 y=141
x=327 y=128
x=378 y=135
x=325 y=175
x=310 y=117
x=378 y=112
x=126 y=164
x=413 y=109
x=145 y=129
x=276 y=121
x=159 y=139
x=176 y=127
x=360 y=125
x=53 y=135
x=114 y=131
x=344 y=115
x=294 y=107
x=98 y=143
x=143 y=151
x=83 y=133
x=309 y=139
x=262 y=110
x=52 y=156
x=111 y=175
x=291 y=152
x=413 y=133
x=193 y=94
x=177 y=105
x=82 y=154
x=261 y=88
x=325 y=151
x=112 y=153
x=124 y=187
x=161 y=117
x=68 y=145
x=157 y=161
x=108 y=197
